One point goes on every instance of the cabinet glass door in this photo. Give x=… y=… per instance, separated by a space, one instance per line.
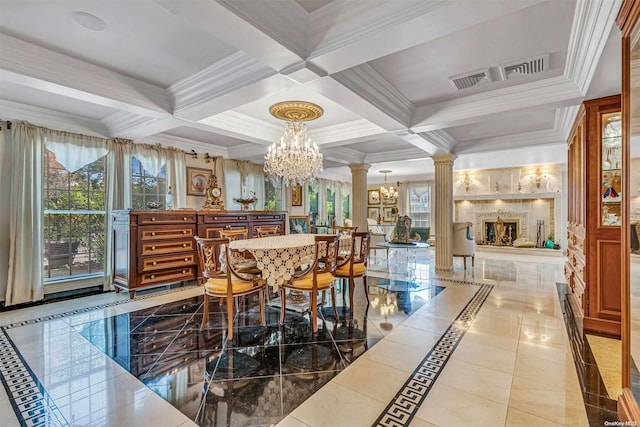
x=611 y=178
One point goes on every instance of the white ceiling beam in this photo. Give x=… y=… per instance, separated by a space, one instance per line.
x=395 y=155
x=33 y=66
x=555 y=91
x=507 y=142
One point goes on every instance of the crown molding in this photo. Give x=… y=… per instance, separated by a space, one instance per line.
x=441 y=139
x=591 y=25
x=395 y=155
x=228 y=75
x=303 y=72
x=52 y=119
x=372 y=87
x=184 y=144
x=564 y=119
x=507 y=142
x=352 y=21
x=473 y=108
x=33 y=66
x=284 y=22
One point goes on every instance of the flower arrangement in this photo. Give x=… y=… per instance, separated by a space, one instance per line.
x=246 y=202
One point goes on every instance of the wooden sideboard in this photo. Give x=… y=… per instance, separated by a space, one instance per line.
x=153 y=248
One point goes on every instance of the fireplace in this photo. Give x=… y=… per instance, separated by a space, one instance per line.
x=511 y=231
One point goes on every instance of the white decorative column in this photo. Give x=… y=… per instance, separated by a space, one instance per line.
x=444 y=211
x=359 y=195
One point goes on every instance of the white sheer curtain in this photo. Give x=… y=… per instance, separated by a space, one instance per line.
x=344 y=190
x=176 y=176
x=73 y=150
x=151 y=157
x=6 y=160
x=118 y=195
x=403 y=198
x=241 y=178
x=26 y=217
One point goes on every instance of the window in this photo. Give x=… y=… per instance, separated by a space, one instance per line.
x=273 y=195
x=331 y=205
x=346 y=207
x=312 y=203
x=419 y=205
x=146 y=188
x=74 y=219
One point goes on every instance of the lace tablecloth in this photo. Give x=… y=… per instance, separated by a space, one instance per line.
x=279 y=256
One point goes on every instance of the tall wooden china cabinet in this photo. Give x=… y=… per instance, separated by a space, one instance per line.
x=595 y=198
x=628 y=21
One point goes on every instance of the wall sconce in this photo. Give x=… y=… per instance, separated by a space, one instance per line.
x=538 y=176
x=466 y=180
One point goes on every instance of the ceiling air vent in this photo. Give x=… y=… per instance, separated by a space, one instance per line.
x=525 y=67
x=467 y=80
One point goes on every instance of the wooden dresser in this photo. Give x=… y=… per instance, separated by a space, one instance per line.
x=593 y=267
x=153 y=248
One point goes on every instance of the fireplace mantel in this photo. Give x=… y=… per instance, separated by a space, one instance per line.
x=510 y=196
x=480 y=217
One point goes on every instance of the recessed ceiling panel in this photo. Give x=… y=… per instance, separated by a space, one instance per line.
x=421 y=73
x=142 y=39
x=506 y=124
x=204 y=136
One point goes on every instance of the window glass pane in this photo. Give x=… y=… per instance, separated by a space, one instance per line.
x=419 y=206
x=146 y=188
x=312 y=202
x=273 y=195
x=73 y=241
x=346 y=207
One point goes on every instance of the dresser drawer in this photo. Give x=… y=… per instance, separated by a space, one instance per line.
x=166 y=232
x=166 y=218
x=210 y=218
x=162 y=262
x=168 y=276
x=166 y=247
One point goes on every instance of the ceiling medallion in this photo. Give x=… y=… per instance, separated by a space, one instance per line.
x=296 y=111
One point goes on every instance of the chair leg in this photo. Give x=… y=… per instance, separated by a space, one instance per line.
x=333 y=303
x=261 y=296
x=464 y=262
x=205 y=314
x=283 y=305
x=366 y=288
x=352 y=285
x=314 y=311
x=473 y=260
x=230 y=318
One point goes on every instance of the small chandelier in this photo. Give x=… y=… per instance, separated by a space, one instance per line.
x=388 y=194
x=296 y=159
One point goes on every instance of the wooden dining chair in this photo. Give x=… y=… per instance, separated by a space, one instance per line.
x=223 y=280
x=234 y=234
x=344 y=230
x=265 y=231
x=318 y=277
x=355 y=264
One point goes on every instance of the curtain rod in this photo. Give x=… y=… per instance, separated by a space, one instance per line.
x=8 y=122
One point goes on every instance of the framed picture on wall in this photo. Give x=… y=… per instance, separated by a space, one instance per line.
x=296 y=195
x=373 y=212
x=197 y=180
x=389 y=213
x=298 y=224
x=373 y=197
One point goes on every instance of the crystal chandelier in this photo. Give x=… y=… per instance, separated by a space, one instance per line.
x=388 y=194
x=295 y=159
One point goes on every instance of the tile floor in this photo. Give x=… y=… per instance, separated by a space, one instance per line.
x=486 y=346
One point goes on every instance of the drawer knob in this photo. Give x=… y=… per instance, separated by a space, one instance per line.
x=184 y=271
x=153 y=248
x=184 y=218
x=184 y=231
x=154 y=263
x=186 y=259
x=153 y=219
x=153 y=233
x=184 y=245
x=153 y=276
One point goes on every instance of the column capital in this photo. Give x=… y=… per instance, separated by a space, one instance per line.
x=359 y=167
x=443 y=159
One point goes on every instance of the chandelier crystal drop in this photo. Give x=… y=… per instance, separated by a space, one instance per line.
x=388 y=194
x=296 y=159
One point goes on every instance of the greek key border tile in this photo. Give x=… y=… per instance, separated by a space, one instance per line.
x=403 y=407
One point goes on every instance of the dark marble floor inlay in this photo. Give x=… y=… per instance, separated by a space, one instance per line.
x=401 y=410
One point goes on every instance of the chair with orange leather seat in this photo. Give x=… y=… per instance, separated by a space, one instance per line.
x=355 y=264
x=223 y=280
x=318 y=277
x=265 y=231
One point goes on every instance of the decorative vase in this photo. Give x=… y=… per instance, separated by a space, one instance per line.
x=549 y=243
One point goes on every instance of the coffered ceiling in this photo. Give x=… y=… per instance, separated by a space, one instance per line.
x=201 y=74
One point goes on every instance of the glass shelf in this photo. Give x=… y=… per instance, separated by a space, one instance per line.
x=611 y=174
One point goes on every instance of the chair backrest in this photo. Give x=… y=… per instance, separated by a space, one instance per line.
x=463 y=242
x=344 y=230
x=234 y=234
x=360 y=248
x=209 y=256
x=327 y=251
x=373 y=226
x=265 y=231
